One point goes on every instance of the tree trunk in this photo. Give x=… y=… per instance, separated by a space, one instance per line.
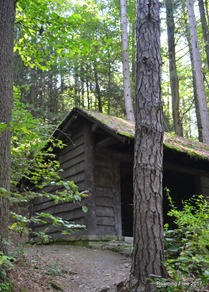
x=199 y=125
x=76 y=85
x=174 y=82
x=7 y=15
x=204 y=29
x=206 y=9
x=126 y=66
x=148 y=254
x=197 y=110
x=98 y=91
x=198 y=73
x=133 y=29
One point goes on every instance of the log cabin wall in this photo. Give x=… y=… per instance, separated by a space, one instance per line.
x=97 y=162
x=72 y=161
x=204 y=180
x=107 y=194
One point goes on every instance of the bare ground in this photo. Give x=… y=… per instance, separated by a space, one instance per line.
x=69 y=268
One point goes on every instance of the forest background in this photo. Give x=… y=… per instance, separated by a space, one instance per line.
x=69 y=53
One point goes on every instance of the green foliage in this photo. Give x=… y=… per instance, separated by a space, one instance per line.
x=3 y=192
x=58 y=48
x=187 y=247
x=3 y=126
x=35 y=167
x=6 y=263
x=41 y=26
x=29 y=137
x=53 y=269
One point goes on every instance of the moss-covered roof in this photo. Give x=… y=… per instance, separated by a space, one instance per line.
x=120 y=126
x=124 y=130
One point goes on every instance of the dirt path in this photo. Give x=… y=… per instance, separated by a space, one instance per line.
x=70 y=269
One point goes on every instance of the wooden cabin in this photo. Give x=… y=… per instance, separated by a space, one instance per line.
x=98 y=157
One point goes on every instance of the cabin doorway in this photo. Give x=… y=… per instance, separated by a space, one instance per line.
x=126 y=174
x=181 y=186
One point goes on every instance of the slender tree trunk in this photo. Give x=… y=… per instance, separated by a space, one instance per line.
x=76 y=86
x=148 y=253
x=204 y=29
x=7 y=15
x=133 y=29
x=174 y=82
x=206 y=8
x=197 y=110
x=198 y=73
x=109 y=85
x=88 y=95
x=82 y=87
x=98 y=91
x=126 y=66
x=199 y=125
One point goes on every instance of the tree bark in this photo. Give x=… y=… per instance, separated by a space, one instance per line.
x=126 y=66
x=204 y=29
x=174 y=82
x=7 y=15
x=202 y=102
x=98 y=91
x=148 y=254
x=199 y=125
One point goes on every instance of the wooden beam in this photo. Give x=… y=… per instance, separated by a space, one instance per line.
x=117 y=196
x=119 y=155
x=107 y=142
x=91 y=219
x=182 y=169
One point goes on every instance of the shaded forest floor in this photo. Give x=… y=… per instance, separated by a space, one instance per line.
x=69 y=268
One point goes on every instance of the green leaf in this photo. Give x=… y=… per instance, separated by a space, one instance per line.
x=84 y=209
x=3 y=126
x=3 y=192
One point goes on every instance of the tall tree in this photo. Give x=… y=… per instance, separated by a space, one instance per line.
x=199 y=81
x=194 y=91
x=148 y=254
x=126 y=66
x=174 y=81
x=205 y=29
x=7 y=16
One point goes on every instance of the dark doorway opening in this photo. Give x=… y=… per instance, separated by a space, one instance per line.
x=126 y=172
x=181 y=186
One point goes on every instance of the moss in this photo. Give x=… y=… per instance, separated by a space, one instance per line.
x=118 y=125
x=126 y=134
x=192 y=153
x=123 y=128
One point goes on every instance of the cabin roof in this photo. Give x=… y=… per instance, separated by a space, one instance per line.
x=125 y=130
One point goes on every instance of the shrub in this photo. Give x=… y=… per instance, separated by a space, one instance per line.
x=187 y=247
x=5 y=266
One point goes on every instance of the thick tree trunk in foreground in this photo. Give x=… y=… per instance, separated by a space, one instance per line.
x=7 y=14
x=126 y=66
x=174 y=82
x=148 y=254
x=202 y=102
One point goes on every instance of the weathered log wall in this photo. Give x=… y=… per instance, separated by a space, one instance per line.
x=107 y=194
x=72 y=161
x=205 y=186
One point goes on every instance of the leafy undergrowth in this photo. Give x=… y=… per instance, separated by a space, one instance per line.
x=187 y=247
